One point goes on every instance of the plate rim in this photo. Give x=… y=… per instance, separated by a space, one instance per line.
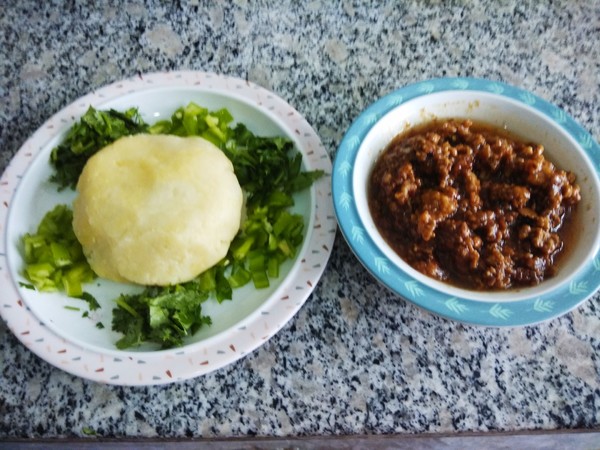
x=148 y=368
x=474 y=312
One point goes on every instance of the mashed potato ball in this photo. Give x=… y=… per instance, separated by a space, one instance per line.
x=156 y=209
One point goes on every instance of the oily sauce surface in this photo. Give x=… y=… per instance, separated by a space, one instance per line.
x=469 y=204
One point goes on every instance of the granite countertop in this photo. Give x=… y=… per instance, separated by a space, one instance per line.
x=356 y=359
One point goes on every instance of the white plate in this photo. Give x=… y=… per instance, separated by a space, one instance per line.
x=71 y=342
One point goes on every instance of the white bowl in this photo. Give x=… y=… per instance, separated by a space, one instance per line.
x=521 y=113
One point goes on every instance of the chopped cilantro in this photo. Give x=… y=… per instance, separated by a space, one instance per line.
x=164 y=315
x=92 y=132
x=92 y=302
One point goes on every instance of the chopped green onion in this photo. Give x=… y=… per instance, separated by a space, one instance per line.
x=53 y=256
x=260 y=279
x=239 y=276
x=273 y=267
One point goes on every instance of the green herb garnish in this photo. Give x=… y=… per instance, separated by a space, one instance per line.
x=161 y=315
x=92 y=132
x=91 y=301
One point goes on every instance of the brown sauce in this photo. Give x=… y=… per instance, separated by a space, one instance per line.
x=469 y=204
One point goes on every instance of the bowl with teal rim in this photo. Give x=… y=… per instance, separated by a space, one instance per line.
x=566 y=143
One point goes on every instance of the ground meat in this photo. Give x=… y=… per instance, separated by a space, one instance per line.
x=469 y=204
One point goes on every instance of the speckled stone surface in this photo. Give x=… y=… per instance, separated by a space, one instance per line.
x=356 y=359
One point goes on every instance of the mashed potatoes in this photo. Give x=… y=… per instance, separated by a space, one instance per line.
x=156 y=210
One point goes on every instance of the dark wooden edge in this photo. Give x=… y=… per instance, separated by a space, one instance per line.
x=532 y=440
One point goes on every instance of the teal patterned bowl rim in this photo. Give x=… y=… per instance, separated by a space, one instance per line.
x=510 y=313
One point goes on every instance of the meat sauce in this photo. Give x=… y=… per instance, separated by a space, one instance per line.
x=471 y=205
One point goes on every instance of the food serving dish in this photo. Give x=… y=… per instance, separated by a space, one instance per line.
x=46 y=322
x=566 y=143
